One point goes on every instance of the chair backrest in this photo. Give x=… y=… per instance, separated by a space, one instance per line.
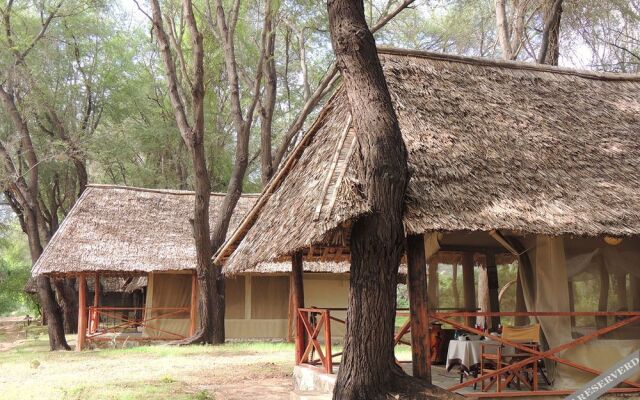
x=529 y=333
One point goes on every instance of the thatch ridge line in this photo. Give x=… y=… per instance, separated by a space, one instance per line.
x=520 y=65
x=163 y=191
x=250 y=218
x=54 y=239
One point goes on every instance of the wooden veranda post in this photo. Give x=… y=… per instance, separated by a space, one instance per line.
x=82 y=312
x=96 y=291
x=297 y=288
x=418 y=306
x=494 y=288
x=194 y=304
x=468 y=285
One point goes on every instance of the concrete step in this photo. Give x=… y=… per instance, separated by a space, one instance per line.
x=309 y=395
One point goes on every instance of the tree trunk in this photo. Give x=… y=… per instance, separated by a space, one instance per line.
x=68 y=300
x=368 y=367
x=270 y=93
x=550 y=44
x=50 y=308
x=204 y=268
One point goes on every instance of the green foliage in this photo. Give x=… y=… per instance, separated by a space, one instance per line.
x=15 y=269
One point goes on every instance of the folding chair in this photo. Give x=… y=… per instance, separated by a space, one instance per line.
x=495 y=356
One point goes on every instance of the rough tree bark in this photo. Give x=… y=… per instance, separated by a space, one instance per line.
x=368 y=369
x=550 y=44
x=368 y=366
x=268 y=102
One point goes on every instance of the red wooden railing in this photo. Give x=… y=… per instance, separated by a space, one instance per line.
x=111 y=320
x=318 y=320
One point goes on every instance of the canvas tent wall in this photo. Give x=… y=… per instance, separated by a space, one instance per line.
x=257 y=304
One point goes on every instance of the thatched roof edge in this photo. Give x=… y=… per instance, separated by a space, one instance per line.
x=521 y=65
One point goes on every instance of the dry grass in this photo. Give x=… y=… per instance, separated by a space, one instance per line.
x=232 y=371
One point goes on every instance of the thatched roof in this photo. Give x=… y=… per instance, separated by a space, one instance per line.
x=118 y=230
x=109 y=284
x=115 y=229
x=492 y=145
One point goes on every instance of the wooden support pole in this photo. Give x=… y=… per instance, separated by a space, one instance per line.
x=572 y=302
x=635 y=292
x=468 y=285
x=433 y=284
x=82 y=312
x=298 y=298
x=494 y=288
x=520 y=303
x=418 y=306
x=193 y=309
x=603 y=300
x=96 y=291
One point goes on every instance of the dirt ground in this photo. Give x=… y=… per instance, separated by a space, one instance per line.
x=231 y=372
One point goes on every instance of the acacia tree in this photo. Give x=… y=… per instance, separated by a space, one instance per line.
x=368 y=367
x=208 y=239
x=22 y=186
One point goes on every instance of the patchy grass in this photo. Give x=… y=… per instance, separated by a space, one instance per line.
x=231 y=371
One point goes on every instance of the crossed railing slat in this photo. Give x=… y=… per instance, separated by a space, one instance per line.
x=126 y=322
x=312 y=330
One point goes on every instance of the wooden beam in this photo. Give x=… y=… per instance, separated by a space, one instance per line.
x=635 y=292
x=418 y=307
x=494 y=288
x=298 y=298
x=520 y=303
x=473 y=249
x=468 y=285
x=82 y=312
x=433 y=284
x=603 y=300
x=96 y=292
x=193 y=309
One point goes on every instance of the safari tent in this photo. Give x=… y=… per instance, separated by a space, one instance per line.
x=121 y=235
x=537 y=161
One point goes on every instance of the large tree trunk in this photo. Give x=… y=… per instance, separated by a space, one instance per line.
x=50 y=308
x=368 y=367
x=204 y=269
x=69 y=301
x=550 y=44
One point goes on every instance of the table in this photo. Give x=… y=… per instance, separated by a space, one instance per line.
x=465 y=353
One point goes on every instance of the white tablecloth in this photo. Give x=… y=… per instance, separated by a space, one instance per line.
x=467 y=353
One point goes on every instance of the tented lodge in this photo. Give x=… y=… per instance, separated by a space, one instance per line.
x=136 y=240
x=504 y=157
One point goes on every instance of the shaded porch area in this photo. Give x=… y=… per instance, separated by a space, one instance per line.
x=167 y=311
x=578 y=293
